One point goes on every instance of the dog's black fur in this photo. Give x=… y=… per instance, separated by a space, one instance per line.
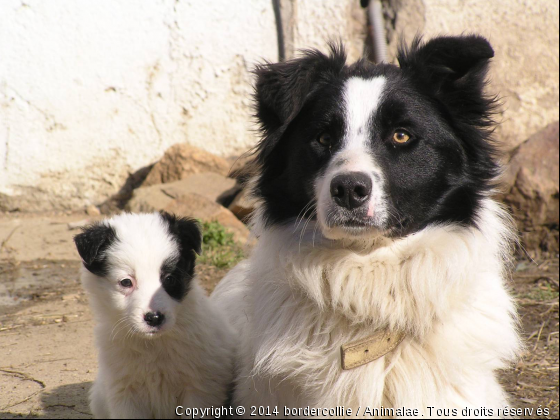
x=437 y=95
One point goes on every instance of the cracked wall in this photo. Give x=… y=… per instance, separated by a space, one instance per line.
x=92 y=91
x=524 y=33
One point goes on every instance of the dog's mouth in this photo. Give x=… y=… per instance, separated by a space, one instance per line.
x=357 y=224
x=141 y=332
x=355 y=227
x=150 y=331
x=358 y=227
x=153 y=333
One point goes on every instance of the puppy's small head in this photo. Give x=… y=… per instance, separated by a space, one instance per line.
x=138 y=268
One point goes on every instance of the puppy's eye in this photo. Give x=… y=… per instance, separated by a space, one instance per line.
x=170 y=279
x=325 y=139
x=401 y=137
x=126 y=283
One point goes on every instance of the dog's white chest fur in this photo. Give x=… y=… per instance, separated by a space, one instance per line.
x=444 y=287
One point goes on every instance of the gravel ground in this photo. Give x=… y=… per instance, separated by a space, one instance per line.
x=47 y=357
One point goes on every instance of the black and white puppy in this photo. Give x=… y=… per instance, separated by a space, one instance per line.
x=376 y=220
x=161 y=343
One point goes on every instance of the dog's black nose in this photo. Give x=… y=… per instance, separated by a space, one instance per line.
x=351 y=190
x=154 y=319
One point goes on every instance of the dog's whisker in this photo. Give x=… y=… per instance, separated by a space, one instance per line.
x=314 y=232
x=117 y=327
x=313 y=210
x=302 y=213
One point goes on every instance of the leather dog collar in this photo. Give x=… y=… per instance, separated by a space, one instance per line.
x=361 y=352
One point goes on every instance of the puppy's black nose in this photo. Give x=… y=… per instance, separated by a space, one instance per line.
x=351 y=190
x=154 y=319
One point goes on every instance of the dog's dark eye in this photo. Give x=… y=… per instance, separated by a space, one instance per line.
x=170 y=279
x=325 y=139
x=126 y=283
x=401 y=136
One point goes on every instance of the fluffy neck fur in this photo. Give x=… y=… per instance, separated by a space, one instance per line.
x=443 y=286
x=407 y=284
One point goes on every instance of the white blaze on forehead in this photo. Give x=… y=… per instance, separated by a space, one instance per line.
x=361 y=100
x=143 y=245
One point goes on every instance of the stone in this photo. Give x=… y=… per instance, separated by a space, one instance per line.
x=156 y=197
x=532 y=190
x=199 y=207
x=32 y=201
x=182 y=160
x=92 y=211
x=80 y=224
x=196 y=196
x=243 y=205
x=242 y=168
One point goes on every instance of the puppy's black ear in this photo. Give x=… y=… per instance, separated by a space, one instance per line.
x=187 y=232
x=281 y=90
x=454 y=70
x=92 y=244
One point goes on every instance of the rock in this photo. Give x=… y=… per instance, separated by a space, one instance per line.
x=242 y=168
x=200 y=207
x=32 y=201
x=92 y=211
x=79 y=224
x=243 y=205
x=196 y=196
x=532 y=189
x=157 y=197
x=182 y=160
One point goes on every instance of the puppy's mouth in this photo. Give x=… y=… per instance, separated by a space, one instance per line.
x=153 y=332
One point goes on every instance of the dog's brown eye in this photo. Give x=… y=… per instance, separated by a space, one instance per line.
x=401 y=137
x=126 y=283
x=325 y=139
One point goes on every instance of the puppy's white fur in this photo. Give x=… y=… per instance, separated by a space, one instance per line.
x=189 y=363
x=296 y=301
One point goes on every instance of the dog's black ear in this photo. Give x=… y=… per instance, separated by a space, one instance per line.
x=453 y=69
x=187 y=231
x=445 y=60
x=92 y=243
x=282 y=88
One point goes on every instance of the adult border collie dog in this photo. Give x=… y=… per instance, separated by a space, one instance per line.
x=376 y=222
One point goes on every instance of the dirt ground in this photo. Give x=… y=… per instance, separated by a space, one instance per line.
x=47 y=357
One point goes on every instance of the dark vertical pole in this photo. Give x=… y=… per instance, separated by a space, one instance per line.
x=279 y=30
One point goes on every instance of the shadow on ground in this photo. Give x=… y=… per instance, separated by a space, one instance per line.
x=64 y=402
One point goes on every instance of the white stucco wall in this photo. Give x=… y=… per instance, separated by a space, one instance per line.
x=92 y=90
x=314 y=23
x=525 y=36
